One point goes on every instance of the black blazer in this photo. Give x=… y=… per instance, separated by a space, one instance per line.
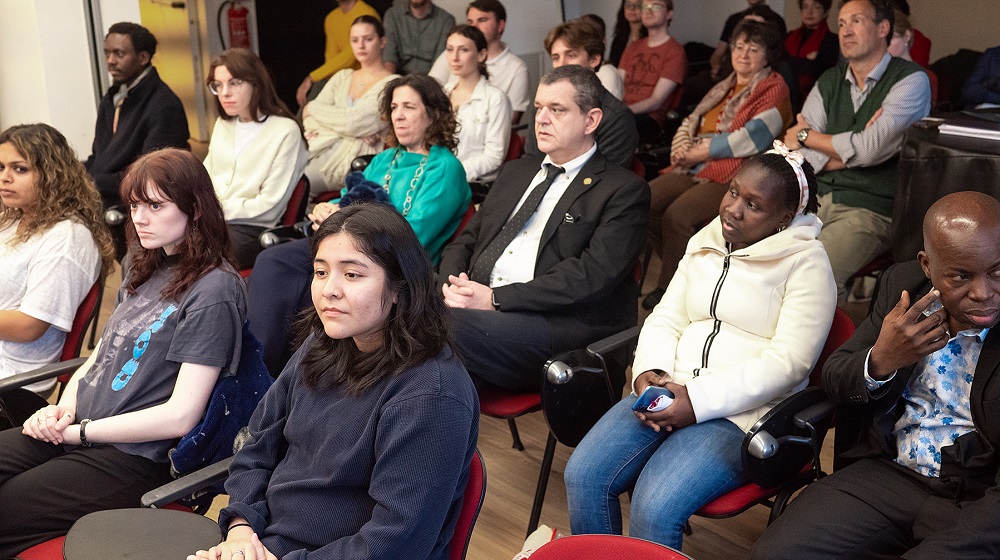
x=971 y=464
x=587 y=253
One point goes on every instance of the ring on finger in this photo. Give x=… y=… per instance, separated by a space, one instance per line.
x=235 y=552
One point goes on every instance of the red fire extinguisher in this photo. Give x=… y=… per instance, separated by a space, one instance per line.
x=239 y=27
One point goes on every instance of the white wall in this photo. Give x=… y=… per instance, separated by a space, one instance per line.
x=45 y=71
x=528 y=21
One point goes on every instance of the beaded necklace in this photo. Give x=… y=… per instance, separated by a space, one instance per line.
x=408 y=202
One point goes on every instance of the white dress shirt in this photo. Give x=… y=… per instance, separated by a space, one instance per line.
x=507 y=72
x=484 y=133
x=517 y=263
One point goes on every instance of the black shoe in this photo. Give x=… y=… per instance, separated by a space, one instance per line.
x=652 y=298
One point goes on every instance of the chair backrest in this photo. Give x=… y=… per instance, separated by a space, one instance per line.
x=601 y=547
x=841 y=330
x=472 y=502
x=84 y=315
x=296 y=209
x=469 y=212
x=637 y=167
x=516 y=147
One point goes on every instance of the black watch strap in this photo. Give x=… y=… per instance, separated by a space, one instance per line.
x=83 y=433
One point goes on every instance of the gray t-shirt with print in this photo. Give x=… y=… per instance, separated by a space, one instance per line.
x=148 y=338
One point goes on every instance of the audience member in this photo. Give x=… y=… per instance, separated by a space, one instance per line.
x=653 y=69
x=757 y=7
x=507 y=71
x=483 y=111
x=982 y=89
x=920 y=50
x=851 y=129
x=343 y=122
x=256 y=154
x=811 y=48
x=628 y=28
x=53 y=246
x=338 y=54
x=902 y=46
x=175 y=330
x=423 y=180
x=609 y=75
x=739 y=117
x=375 y=418
x=139 y=114
x=545 y=264
x=416 y=31
x=924 y=483
x=616 y=135
x=741 y=326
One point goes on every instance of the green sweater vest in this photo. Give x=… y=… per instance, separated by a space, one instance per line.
x=863 y=187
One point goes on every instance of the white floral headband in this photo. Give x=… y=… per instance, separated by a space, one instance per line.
x=794 y=159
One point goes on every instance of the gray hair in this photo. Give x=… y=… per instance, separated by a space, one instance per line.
x=584 y=80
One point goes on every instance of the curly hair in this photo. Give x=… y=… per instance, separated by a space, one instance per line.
x=65 y=190
x=183 y=180
x=444 y=126
x=419 y=323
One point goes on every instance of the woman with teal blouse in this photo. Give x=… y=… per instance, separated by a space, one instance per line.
x=424 y=181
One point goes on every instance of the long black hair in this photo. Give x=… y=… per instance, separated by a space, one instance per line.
x=418 y=325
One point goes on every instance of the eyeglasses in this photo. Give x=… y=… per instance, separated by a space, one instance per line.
x=217 y=87
x=740 y=47
x=633 y=5
x=654 y=7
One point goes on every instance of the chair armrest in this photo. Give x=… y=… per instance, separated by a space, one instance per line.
x=812 y=415
x=614 y=342
x=40 y=374
x=283 y=234
x=186 y=485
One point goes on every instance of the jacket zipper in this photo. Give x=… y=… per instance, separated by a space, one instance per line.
x=716 y=323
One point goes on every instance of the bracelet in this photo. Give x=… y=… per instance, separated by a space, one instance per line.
x=83 y=433
x=231 y=527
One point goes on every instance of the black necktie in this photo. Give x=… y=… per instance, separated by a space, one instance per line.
x=483 y=267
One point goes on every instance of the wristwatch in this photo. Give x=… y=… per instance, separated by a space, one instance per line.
x=83 y=433
x=493 y=300
x=802 y=135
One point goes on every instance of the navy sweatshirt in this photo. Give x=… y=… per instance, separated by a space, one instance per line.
x=329 y=476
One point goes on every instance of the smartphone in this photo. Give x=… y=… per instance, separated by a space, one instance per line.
x=933 y=307
x=653 y=399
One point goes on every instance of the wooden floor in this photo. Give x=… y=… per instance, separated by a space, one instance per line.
x=512 y=476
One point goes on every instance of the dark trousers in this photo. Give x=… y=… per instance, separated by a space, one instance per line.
x=508 y=349
x=246 y=244
x=278 y=291
x=872 y=509
x=44 y=489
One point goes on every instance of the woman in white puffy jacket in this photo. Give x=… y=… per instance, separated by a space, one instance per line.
x=740 y=327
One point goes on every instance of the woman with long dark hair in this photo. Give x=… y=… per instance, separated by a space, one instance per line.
x=361 y=448
x=53 y=246
x=628 y=28
x=176 y=329
x=257 y=152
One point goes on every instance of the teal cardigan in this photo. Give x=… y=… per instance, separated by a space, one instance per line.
x=440 y=198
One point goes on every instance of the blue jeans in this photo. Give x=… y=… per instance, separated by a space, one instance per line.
x=673 y=474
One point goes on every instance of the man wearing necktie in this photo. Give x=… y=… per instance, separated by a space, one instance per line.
x=546 y=263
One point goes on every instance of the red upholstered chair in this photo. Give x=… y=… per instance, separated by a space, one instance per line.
x=295 y=212
x=472 y=503
x=816 y=413
x=603 y=547
x=637 y=167
x=469 y=213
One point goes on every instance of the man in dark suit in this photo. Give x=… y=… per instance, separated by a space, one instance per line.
x=925 y=480
x=546 y=264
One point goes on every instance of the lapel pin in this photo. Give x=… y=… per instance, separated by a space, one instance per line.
x=568 y=218
x=588 y=181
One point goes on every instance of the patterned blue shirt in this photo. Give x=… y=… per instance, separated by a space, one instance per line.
x=937 y=403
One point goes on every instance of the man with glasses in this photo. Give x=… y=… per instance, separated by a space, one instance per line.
x=139 y=114
x=653 y=70
x=851 y=130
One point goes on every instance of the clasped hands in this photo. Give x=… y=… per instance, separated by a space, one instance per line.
x=241 y=544
x=692 y=155
x=679 y=414
x=462 y=292
x=50 y=424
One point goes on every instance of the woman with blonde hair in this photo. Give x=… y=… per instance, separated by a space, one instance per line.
x=53 y=245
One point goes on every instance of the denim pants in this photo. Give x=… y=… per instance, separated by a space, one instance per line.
x=673 y=474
